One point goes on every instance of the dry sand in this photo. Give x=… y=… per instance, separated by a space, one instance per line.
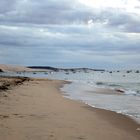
x=37 y=111
x=17 y=68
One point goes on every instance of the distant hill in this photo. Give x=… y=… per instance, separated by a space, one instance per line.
x=43 y=68
x=17 y=68
x=65 y=69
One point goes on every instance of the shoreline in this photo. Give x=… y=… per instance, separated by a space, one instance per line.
x=65 y=95
x=79 y=93
x=66 y=118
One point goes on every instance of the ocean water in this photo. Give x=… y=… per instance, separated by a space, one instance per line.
x=117 y=91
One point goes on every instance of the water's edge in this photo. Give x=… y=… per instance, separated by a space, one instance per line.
x=66 y=93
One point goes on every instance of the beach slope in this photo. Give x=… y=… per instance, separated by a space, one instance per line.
x=36 y=110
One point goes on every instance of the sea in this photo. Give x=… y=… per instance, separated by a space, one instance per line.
x=117 y=91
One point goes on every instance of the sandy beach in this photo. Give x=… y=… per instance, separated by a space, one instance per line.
x=37 y=110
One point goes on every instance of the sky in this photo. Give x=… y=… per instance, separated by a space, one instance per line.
x=70 y=33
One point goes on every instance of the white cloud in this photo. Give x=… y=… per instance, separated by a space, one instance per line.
x=128 y=5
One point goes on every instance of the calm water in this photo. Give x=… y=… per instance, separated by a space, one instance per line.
x=89 y=87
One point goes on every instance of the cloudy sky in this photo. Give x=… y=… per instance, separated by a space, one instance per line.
x=70 y=33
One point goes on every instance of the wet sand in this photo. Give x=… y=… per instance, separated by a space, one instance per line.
x=36 y=110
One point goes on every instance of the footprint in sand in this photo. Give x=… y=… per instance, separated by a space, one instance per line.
x=4 y=116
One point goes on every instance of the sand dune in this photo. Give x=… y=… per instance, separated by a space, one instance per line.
x=17 y=68
x=13 y=68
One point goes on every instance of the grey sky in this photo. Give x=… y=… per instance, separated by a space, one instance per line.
x=70 y=33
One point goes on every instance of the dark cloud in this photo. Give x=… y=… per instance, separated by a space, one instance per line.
x=7 y=6
x=125 y=22
x=48 y=12
x=65 y=32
